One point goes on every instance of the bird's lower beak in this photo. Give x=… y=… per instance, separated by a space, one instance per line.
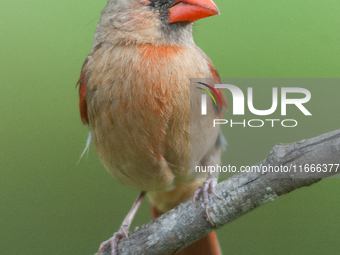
x=192 y=10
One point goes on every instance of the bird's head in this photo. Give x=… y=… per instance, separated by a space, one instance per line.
x=151 y=21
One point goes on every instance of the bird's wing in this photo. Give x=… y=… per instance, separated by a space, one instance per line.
x=82 y=90
x=220 y=92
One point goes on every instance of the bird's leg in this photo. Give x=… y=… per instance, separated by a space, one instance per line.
x=204 y=190
x=124 y=228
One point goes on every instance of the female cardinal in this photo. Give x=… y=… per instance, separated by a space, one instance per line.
x=134 y=95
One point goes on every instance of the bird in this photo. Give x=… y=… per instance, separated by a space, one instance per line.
x=135 y=94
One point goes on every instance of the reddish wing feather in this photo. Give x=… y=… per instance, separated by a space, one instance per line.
x=220 y=92
x=82 y=91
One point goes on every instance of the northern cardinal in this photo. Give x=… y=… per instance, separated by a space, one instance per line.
x=134 y=95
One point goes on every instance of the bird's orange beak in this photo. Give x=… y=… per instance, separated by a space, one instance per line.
x=192 y=10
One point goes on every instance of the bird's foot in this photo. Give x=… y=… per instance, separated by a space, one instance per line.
x=124 y=229
x=113 y=241
x=204 y=190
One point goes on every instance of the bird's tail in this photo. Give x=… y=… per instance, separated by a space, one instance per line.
x=207 y=245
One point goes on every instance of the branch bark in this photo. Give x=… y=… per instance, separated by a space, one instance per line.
x=241 y=194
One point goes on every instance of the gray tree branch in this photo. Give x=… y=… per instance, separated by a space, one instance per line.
x=241 y=193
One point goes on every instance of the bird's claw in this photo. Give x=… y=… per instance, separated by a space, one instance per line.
x=113 y=241
x=124 y=229
x=204 y=190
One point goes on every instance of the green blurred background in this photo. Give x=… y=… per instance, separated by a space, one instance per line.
x=51 y=205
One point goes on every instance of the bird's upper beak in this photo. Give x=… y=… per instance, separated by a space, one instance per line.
x=192 y=10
